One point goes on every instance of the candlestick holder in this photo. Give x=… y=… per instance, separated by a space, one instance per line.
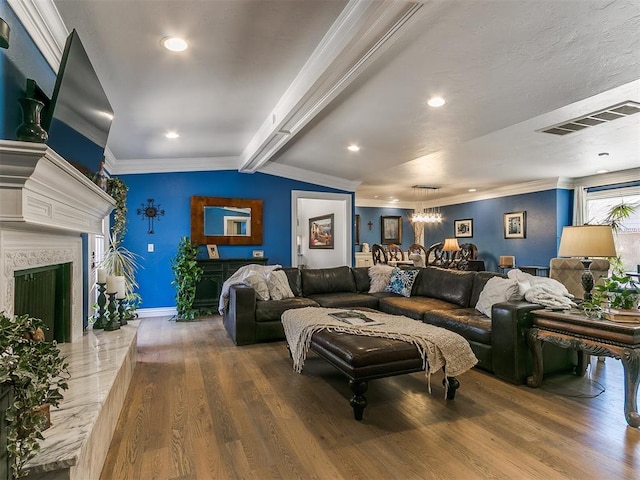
x=113 y=323
x=101 y=318
x=123 y=319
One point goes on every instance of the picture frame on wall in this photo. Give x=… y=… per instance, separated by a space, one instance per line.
x=212 y=250
x=357 y=242
x=390 y=229
x=515 y=225
x=463 y=228
x=321 y=232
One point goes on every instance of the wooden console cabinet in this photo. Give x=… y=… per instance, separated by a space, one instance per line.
x=216 y=271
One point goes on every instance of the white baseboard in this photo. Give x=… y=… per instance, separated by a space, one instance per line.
x=156 y=312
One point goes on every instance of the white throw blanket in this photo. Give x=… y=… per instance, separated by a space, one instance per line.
x=438 y=347
x=239 y=277
x=542 y=290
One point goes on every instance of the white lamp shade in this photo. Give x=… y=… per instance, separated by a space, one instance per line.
x=587 y=241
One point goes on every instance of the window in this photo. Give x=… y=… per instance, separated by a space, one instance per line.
x=627 y=238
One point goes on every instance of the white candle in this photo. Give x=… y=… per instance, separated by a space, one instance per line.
x=102 y=275
x=112 y=284
x=121 y=291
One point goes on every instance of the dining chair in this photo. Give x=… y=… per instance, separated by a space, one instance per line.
x=378 y=254
x=394 y=252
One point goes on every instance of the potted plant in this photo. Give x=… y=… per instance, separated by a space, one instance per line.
x=615 y=298
x=117 y=259
x=187 y=274
x=35 y=373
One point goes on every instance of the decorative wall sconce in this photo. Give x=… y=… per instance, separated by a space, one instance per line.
x=4 y=34
x=150 y=212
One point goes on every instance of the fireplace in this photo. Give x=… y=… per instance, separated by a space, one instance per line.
x=45 y=205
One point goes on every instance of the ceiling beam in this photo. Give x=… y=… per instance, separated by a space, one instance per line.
x=361 y=33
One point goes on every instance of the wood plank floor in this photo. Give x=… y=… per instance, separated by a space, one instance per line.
x=201 y=408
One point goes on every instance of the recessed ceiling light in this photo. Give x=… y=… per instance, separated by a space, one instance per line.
x=602 y=171
x=472 y=190
x=436 y=102
x=172 y=135
x=174 y=44
x=353 y=148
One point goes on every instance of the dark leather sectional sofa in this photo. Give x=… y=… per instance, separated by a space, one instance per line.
x=441 y=297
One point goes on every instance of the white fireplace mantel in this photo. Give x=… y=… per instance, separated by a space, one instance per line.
x=39 y=188
x=45 y=204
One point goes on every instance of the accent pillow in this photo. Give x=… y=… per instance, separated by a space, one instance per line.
x=402 y=281
x=496 y=290
x=278 y=285
x=380 y=275
x=259 y=284
x=417 y=259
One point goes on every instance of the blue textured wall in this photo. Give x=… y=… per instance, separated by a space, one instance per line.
x=173 y=192
x=373 y=214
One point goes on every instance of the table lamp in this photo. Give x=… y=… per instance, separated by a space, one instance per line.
x=587 y=241
x=450 y=245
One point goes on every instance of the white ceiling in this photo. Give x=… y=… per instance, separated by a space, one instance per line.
x=336 y=72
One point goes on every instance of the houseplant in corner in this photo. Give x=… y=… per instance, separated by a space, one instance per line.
x=187 y=273
x=36 y=375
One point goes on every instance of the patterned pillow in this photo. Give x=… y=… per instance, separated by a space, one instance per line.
x=278 y=285
x=402 y=281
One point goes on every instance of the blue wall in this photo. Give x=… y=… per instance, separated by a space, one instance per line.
x=373 y=214
x=546 y=213
x=173 y=192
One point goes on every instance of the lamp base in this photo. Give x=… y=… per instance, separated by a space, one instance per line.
x=587 y=279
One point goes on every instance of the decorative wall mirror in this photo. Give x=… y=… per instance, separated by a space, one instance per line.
x=226 y=221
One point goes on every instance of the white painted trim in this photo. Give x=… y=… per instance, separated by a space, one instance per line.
x=156 y=312
x=42 y=21
x=302 y=175
x=168 y=165
x=341 y=197
x=623 y=176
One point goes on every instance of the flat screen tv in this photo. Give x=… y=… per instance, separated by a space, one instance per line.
x=78 y=101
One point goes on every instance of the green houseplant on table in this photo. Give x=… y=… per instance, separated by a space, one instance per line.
x=187 y=273
x=35 y=373
x=617 y=292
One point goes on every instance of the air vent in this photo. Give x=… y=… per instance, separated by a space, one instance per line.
x=619 y=110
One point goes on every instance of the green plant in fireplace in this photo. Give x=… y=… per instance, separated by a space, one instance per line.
x=187 y=273
x=36 y=375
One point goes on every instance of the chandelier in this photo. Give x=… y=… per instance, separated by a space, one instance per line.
x=428 y=214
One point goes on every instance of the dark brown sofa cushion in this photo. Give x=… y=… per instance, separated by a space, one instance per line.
x=327 y=280
x=295 y=280
x=345 y=300
x=468 y=322
x=412 y=307
x=269 y=310
x=452 y=286
x=361 y=276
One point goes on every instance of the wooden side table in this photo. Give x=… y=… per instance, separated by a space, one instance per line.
x=597 y=337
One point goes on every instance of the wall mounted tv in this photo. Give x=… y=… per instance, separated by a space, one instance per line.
x=78 y=101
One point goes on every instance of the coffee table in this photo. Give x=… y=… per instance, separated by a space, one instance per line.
x=597 y=337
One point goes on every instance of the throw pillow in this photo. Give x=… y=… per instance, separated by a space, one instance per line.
x=380 y=275
x=402 y=281
x=496 y=290
x=259 y=284
x=417 y=259
x=278 y=285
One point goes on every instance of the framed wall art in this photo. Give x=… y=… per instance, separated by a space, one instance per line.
x=390 y=229
x=463 y=228
x=321 y=232
x=515 y=225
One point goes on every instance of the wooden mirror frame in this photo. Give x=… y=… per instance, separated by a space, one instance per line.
x=197 y=221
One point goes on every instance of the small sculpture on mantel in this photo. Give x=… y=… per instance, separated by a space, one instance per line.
x=100 y=178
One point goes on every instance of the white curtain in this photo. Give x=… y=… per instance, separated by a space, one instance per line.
x=579 y=205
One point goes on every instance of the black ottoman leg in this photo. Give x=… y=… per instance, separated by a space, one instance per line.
x=454 y=384
x=358 y=402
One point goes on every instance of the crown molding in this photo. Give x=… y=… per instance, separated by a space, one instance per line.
x=366 y=202
x=622 y=176
x=169 y=165
x=42 y=21
x=363 y=26
x=295 y=173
